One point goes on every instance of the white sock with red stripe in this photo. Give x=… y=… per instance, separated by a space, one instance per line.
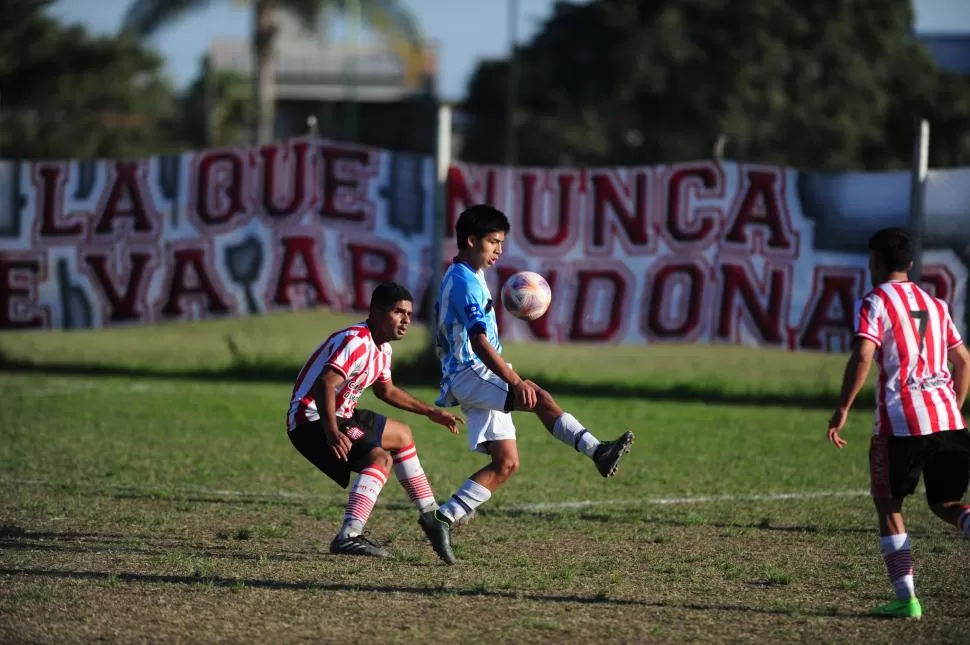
x=363 y=496
x=409 y=472
x=466 y=499
x=963 y=522
x=572 y=433
x=899 y=564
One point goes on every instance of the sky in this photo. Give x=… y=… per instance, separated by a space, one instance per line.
x=464 y=30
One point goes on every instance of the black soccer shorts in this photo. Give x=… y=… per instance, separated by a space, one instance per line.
x=942 y=458
x=364 y=429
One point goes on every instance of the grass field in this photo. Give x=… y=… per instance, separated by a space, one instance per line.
x=150 y=495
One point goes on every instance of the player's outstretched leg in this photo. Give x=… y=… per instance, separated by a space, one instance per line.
x=398 y=440
x=565 y=427
x=363 y=495
x=409 y=472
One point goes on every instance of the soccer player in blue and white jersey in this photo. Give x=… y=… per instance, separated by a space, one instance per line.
x=477 y=378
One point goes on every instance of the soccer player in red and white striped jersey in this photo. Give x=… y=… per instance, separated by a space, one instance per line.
x=919 y=427
x=326 y=426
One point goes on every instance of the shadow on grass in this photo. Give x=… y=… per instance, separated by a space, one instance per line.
x=438 y=591
x=423 y=371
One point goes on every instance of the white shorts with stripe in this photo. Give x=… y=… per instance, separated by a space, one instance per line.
x=482 y=396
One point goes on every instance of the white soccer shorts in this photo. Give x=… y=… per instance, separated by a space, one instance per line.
x=482 y=398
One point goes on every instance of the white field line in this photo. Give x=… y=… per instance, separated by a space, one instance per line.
x=534 y=507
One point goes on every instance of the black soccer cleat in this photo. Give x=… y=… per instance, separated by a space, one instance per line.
x=357 y=545
x=438 y=531
x=607 y=455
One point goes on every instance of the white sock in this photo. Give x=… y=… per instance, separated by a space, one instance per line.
x=899 y=564
x=964 y=522
x=363 y=496
x=572 y=433
x=466 y=499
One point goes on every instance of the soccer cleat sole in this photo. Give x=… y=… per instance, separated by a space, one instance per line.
x=624 y=449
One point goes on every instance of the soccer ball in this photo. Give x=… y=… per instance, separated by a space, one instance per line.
x=526 y=295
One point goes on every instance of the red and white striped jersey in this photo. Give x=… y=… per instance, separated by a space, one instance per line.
x=913 y=332
x=351 y=352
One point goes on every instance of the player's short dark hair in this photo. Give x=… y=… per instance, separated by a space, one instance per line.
x=387 y=293
x=893 y=248
x=479 y=220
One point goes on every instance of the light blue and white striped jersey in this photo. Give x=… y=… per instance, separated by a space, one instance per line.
x=464 y=305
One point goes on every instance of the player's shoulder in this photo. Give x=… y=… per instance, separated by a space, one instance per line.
x=358 y=332
x=464 y=277
x=878 y=295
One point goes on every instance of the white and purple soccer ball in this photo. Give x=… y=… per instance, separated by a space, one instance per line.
x=526 y=295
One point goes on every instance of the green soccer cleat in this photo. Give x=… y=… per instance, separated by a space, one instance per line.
x=908 y=608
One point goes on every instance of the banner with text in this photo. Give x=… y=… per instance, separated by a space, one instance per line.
x=696 y=252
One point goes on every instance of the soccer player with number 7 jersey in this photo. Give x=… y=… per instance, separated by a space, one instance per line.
x=919 y=428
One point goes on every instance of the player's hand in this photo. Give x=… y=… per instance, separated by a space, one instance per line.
x=836 y=423
x=339 y=443
x=447 y=419
x=526 y=394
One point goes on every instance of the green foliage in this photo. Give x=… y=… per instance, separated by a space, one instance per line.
x=230 y=101
x=831 y=85
x=68 y=94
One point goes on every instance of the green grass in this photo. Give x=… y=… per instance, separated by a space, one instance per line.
x=156 y=498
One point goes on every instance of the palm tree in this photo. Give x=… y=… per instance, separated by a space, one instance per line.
x=388 y=17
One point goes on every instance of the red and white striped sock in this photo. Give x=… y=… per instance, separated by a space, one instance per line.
x=963 y=522
x=409 y=472
x=363 y=496
x=899 y=564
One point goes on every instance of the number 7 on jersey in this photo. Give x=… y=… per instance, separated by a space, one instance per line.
x=923 y=316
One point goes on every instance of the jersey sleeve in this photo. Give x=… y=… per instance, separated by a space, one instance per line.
x=869 y=320
x=468 y=303
x=347 y=355
x=950 y=331
x=385 y=374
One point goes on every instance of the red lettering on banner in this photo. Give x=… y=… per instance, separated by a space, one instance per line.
x=746 y=298
x=291 y=163
x=220 y=185
x=540 y=326
x=347 y=173
x=190 y=277
x=532 y=206
x=827 y=317
x=302 y=250
x=630 y=208
x=465 y=188
x=126 y=298
x=126 y=198
x=938 y=280
x=615 y=283
x=49 y=182
x=19 y=306
x=679 y=321
x=761 y=204
x=693 y=226
x=370 y=264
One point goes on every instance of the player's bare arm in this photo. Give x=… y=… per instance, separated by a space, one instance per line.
x=525 y=391
x=389 y=393
x=325 y=395
x=959 y=358
x=856 y=371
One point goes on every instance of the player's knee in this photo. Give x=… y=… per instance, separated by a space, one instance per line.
x=507 y=466
x=406 y=437
x=382 y=458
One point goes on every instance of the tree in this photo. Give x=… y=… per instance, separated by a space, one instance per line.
x=386 y=16
x=68 y=94
x=216 y=108
x=826 y=85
